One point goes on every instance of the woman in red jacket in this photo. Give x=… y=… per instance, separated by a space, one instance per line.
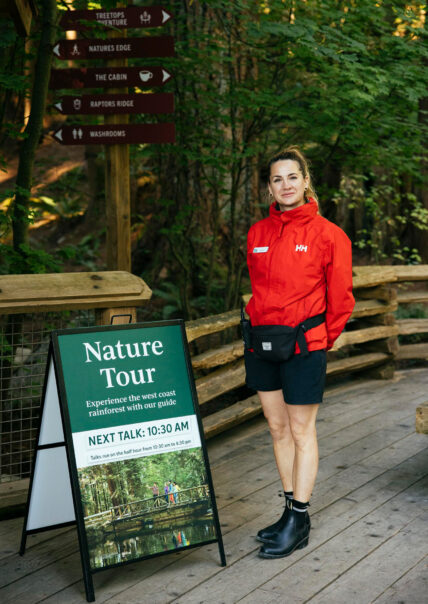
x=300 y=268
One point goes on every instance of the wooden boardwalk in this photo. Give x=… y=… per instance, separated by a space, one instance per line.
x=369 y=515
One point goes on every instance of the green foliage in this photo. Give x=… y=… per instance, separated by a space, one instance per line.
x=26 y=260
x=14 y=84
x=388 y=213
x=84 y=254
x=411 y=311
x=66 y=194
x=173 y=307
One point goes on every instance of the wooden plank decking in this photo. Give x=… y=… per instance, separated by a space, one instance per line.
x=369 y=515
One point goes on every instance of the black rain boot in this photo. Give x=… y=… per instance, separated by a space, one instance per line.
x=293 y=535
x=269 y=534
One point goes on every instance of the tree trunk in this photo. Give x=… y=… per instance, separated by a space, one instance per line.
x=95 y=176
x=421 y=190
x=35 y=123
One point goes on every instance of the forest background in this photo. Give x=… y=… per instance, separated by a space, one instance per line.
x=346 y=81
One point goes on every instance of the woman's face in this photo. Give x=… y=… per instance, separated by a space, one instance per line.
x=286 y=184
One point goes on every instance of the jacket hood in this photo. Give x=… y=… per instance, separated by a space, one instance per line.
x=302 y=214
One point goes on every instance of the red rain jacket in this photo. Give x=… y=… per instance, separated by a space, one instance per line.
x=300 y=265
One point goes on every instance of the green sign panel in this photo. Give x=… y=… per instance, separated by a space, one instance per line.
x=125 y=376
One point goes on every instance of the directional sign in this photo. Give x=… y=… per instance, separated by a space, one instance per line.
x=114 y=48
x=116 y=103
x=108 y=77
x=120 y=18
x=113 y=134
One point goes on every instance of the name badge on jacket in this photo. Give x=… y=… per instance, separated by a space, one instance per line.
x=260 y=250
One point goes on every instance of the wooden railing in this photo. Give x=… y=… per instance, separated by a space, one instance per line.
x=369 y=342
x=107 y=292
x=405 y=276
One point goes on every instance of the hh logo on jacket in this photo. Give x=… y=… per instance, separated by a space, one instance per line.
x=301 y=248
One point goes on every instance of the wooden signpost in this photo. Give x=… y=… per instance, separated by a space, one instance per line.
x=116 y=133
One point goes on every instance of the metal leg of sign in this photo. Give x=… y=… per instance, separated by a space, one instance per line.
x=89 y=585
x=217 y=526
x=23 y=543
x=215 y=511
x=221 y=550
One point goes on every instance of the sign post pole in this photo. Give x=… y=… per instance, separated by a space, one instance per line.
x=117 y=185
x=118 y=205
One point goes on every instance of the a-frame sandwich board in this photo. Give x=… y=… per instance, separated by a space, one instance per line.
x=72 y=435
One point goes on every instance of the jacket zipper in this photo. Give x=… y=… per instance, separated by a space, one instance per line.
x=275 y=241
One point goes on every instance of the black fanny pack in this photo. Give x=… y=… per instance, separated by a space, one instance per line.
x=277 y=342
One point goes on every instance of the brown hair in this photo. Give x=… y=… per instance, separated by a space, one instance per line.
x=296 y=155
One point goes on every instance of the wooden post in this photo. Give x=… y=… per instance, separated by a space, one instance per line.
x=118 y=197
x=389 y=345
x=422 y=418
x=116 y=316
x=384 y=372
x=118 y=205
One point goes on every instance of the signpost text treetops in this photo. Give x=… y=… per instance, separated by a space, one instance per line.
x=116 y=132
x=120 y=18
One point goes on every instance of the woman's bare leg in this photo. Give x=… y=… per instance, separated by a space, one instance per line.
x=302 y=426
x=276 y=413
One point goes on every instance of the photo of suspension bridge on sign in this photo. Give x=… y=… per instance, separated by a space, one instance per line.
x=140 y=507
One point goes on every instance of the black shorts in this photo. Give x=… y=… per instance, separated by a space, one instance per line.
x=301 y=378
